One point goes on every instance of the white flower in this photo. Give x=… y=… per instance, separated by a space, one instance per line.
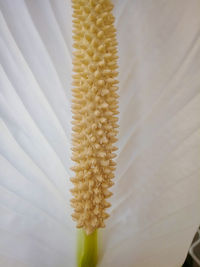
x=156 y=202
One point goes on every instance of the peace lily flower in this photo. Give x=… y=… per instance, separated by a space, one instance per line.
x=154 y=213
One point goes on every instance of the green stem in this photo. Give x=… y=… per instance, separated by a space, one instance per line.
x=87 y=249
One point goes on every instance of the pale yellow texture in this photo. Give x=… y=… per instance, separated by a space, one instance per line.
x=95 y=104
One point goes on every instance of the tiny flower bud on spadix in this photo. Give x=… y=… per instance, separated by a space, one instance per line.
x=94 y=111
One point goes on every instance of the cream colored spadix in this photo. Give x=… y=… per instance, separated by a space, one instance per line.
x=95 y=107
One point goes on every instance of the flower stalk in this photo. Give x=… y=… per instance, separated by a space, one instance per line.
x=87 y=249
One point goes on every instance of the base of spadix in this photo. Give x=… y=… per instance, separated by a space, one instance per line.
x=87 y=249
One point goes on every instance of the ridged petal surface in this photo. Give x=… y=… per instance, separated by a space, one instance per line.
x=156 y=202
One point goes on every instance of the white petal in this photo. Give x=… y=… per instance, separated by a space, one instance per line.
x=157 y=193
x=154 y=213
x=35 y=224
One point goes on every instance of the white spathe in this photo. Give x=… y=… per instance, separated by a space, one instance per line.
x=156 y=202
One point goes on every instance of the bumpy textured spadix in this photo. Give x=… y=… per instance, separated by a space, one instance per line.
x=94 y=110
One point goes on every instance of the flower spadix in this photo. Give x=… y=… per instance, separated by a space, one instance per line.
x=95 y=109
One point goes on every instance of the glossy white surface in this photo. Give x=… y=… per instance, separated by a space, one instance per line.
x=157 y=192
